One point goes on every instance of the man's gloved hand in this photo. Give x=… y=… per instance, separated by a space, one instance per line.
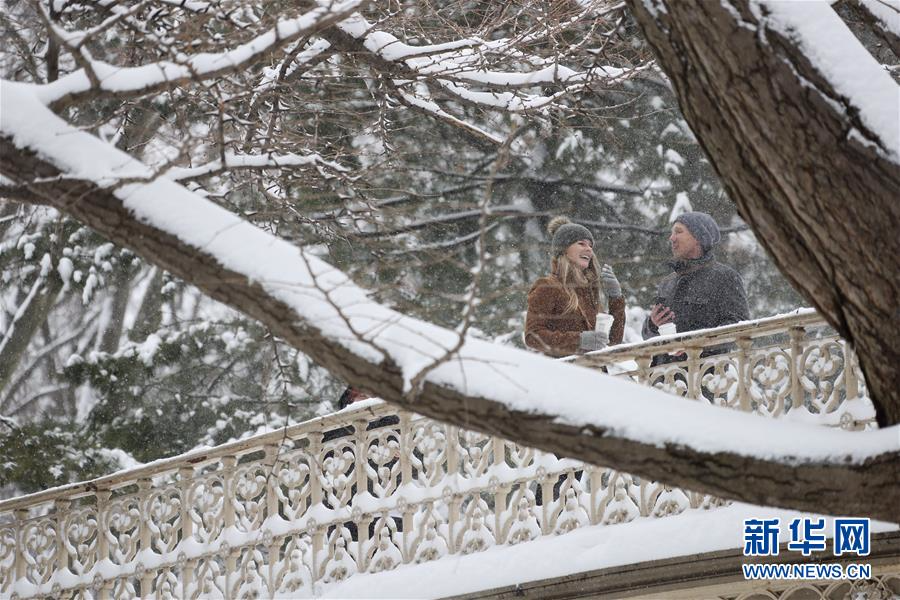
x=594 y=340
x=610 y=283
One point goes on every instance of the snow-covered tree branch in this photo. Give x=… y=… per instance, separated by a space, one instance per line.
x=504 y=391
x=300 y=137
x=298 y=132
x=98 y=78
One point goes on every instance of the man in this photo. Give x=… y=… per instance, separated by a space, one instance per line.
x=702 y=292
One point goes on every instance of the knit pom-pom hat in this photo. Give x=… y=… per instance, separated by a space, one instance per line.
x=565 y=233
x=703 y=227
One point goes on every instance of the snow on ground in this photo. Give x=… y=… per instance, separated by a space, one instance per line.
x=587 y=549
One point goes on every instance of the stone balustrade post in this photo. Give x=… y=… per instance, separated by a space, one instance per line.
x=406 y=478
x=645 y=506
x=452 y=450
x=454 y=501
x=185 y=480
x=643 y=373
x=797 y=336
x=228 y=490
x=851 y=381
x=595 y=475
x=547 y=482
x=454 y=520
x=229 y=463
x=693 y=373
x=61 y=507
x=316 y=494
x=144 y=535
x=360 y=456
x=21 y=563
x=498 y=491
x=101 y=497
x=743 y=372
x=360 y=468
x=271 y=543
x=273 y=464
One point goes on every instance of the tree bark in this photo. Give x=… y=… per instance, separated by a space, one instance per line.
x=149 y=315
x=27 y=326
x=888 y=37
x=109 y=338
x=823 y=202
x=868 y=489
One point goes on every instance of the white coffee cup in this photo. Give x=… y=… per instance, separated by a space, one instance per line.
x=668 y=329
x=604 y=322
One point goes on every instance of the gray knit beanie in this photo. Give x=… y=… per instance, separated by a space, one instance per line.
x=565 y=233
x=703 y=227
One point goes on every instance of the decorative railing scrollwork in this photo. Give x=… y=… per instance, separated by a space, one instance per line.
x=287 y=513
x=791 y=365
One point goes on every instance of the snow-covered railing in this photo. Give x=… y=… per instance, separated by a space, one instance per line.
x=282 y=514
x=792 y=365
x=288 y=513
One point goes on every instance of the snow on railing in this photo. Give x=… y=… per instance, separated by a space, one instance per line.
x=791 y=365
x=286 y=514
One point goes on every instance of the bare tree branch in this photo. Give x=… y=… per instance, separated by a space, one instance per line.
x=833 y=484
x=127 y=82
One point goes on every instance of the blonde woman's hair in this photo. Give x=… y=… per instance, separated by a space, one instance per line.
x=572 y=278
x=570 y=275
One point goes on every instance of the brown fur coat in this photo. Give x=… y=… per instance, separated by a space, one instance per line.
x=551 y=330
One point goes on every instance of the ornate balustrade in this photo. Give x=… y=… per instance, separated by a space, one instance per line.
x=789 y=365
x=288 y=513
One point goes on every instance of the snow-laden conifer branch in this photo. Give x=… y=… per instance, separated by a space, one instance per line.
x=515 y=394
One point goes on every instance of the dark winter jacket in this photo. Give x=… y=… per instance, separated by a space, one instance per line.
x=702 y=293
x=550 y=329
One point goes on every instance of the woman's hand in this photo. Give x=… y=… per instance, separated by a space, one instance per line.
x=610 y=283
x=660 y=315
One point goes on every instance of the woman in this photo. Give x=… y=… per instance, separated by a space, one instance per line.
x=563 y=306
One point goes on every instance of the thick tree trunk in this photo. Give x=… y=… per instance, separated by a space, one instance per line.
x=868 y=489
x=109 y=340
x=149 y=315
x=800 y=166
x=27 y=326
